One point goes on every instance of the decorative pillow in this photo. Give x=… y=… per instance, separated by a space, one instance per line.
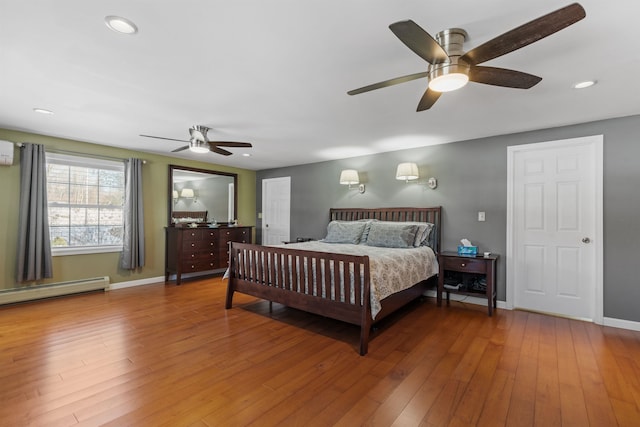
x=422 y=233
x=345 y=232
x=367 y=227
x=392 y=235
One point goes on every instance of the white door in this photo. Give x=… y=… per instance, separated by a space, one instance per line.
x=276 y=207
x=554 y=230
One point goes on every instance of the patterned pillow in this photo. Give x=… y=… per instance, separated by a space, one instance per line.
x=422 y=233
x=367 y=227
x=345 y=232
x=392 y=235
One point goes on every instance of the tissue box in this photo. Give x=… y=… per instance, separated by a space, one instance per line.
x=468 y=250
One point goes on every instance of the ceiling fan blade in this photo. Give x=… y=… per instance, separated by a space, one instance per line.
x=230 y=144
x=162 y=137
x=180 y=149
x=428 y=99
x=388 y=83
x=503 y=77
x=219 y=150
x=525 y=34
x=419 y=41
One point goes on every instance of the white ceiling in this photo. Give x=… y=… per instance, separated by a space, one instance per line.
x=275 y=73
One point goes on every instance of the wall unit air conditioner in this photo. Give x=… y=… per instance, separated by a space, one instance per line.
x=6 y=153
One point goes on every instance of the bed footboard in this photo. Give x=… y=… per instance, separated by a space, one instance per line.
x=332 y=285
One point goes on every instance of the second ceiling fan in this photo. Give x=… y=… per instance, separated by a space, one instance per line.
x=451 y=68
x=200 y=143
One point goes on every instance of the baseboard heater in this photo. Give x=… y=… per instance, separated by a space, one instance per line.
x=10 y=296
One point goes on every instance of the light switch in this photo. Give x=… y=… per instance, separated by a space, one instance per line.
x=480 y=216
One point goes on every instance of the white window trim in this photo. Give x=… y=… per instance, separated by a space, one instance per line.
x=80 y=160
x=83 y=250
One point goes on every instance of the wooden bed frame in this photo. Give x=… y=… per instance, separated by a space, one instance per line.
x=285 y=284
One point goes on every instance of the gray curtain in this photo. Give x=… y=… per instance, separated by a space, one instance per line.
x=34 y=246
x=133 y=251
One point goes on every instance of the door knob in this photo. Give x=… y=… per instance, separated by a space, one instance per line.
x=586 y=240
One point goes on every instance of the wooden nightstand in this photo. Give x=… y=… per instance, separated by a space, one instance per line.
x=469 y=272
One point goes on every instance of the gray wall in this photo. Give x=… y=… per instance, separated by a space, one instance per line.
x=472 y=177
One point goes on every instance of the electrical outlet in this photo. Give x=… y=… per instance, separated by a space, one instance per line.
x=481 y=216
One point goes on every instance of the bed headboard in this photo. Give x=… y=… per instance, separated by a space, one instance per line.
x=432 y=215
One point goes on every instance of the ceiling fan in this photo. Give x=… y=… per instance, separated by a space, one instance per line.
x=450 y=68
x=199 y=142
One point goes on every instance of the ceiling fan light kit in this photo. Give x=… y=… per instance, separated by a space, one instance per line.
x=200 y=143
x=198 y=146
x=450 y=68
x=450 y=75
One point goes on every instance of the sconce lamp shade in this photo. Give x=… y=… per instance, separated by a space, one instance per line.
x=187 y=193
x=407 y=171
x=175 y=194
x=349 y=177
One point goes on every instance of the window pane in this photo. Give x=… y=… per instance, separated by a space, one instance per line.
x=59 y=216
x=84 y=176
x=111 y=235
x=57 y=173
x=111 y=178
x=83 y=236
x=59 y=236
x=93 y=216
x=58 y=192
x=111 y=216
x=111 y=196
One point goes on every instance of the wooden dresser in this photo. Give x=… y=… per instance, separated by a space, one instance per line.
x=192 y=250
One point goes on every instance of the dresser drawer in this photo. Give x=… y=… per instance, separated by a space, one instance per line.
x=241 y=235
x=468 y=265
x=190 y=235
x=187 y=256
x=197 y=245
x=198 y=265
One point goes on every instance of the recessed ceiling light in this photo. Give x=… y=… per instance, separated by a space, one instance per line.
x=120 y=24
x=42 y=111
x=585 y=84
x=246 y=154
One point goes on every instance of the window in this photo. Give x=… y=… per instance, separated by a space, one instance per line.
x=86 y=202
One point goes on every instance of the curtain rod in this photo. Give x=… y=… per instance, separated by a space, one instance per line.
x=74 y=153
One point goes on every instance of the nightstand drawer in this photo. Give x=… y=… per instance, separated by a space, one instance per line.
x=470 y=265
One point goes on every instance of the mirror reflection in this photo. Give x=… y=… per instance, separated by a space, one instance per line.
x=201 y=196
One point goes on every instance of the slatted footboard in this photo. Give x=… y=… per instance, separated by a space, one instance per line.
x=332 y=285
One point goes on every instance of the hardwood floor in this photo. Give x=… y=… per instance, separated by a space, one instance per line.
x=166 y=355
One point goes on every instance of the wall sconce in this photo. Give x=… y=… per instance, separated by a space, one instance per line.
x=409 y=172
x=175 y=196
x=350 y=177
x=188 y=193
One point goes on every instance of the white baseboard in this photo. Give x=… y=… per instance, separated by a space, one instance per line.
x=623 y=324
x=132 y=283
x=608 y=321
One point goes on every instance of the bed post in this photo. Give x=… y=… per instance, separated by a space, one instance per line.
x=231 y=273
x=365 y=320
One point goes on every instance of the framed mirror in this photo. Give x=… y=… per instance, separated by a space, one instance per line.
x=201 y=196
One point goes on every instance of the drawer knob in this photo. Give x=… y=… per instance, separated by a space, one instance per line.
x=193 y=244
x=463 y=265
